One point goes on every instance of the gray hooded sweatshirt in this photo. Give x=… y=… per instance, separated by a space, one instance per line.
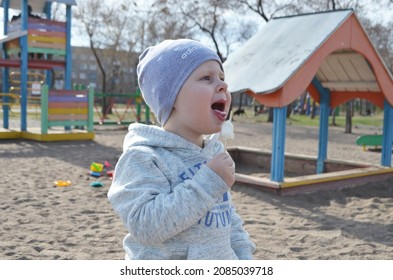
x=172 y=205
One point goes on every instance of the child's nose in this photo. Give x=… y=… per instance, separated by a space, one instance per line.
x=223 y=86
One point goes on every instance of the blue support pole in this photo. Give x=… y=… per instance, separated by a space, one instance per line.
x=323 y=125
x=68 y=69
x=47 y=9
x=23 y=68
x=6 y=71
x=386 y=156
x=48 y=14
x=278 y=147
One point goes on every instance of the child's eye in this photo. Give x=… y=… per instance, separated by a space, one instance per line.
x=206 y=78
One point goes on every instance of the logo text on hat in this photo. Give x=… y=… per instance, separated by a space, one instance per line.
x=188 y=51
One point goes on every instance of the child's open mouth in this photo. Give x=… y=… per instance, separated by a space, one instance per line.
x=219 y=110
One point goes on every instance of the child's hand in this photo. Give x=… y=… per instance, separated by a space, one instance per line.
x=224 y=166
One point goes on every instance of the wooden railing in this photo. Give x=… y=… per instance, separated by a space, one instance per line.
x=66 y=108
x=46 y=37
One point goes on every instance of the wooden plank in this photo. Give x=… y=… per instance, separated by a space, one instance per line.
x=61 y=92
x=67 y=118
x=253 y=180
x=352 y=72
x=327 y=71
x=353 y=86
x=45 y=45
x=64 y=136
x=47 y=33
x=68 y=104
x=42 y=21
x=67 y=111
x=53 y=28
x=67 y=99
x=34 y=64
x=337 y=184
x=363 y=67
x=40 y=24
x=77 y=95
x=80 y=94
x=339 y=71
x=47 y=51
x=16 y=50
x=47 y=39
x=67 y=123
x=334 y=176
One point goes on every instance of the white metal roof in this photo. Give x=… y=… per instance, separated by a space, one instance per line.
x=266 y=61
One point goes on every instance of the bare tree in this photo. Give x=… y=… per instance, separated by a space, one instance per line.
x=382 y=38
x=269 y=9
x=215 y=21
x=209 y=25
x=107 y=26
x=157 y=21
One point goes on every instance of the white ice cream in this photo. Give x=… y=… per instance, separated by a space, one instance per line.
x=227 y=131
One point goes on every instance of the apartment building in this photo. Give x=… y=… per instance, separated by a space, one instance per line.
x=120 y=70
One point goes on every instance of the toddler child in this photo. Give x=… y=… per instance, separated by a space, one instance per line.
x=171 y=184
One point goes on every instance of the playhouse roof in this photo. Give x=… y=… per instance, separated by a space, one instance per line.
x=290 y=51
x=36 y=5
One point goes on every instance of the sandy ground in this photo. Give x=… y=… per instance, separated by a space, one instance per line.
x=41 y=221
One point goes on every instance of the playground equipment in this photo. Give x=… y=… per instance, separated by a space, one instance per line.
x=120 y=109
x=36 y=43
x=375 y=141
x=45 y=38
x=66 y=108
x=34 y=82
x=330 y=56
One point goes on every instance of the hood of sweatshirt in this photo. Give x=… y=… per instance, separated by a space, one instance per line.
x=157 y=137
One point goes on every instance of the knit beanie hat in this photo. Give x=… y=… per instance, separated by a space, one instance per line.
x=163 y=69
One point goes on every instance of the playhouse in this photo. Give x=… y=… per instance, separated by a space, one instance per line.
x=31 y=41
x=330 y=56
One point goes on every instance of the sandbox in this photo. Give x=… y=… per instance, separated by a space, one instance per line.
x=253 y=168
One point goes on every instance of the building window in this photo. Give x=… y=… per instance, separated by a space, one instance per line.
x=93 y=76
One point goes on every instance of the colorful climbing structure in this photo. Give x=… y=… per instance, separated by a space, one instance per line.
x=31 y=42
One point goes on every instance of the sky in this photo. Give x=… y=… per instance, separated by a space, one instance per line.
x=374 y=12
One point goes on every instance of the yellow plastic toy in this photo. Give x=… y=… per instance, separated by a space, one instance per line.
x=62 y=183
x=96 y=167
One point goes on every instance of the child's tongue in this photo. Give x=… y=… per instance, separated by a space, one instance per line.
x=221 y=115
